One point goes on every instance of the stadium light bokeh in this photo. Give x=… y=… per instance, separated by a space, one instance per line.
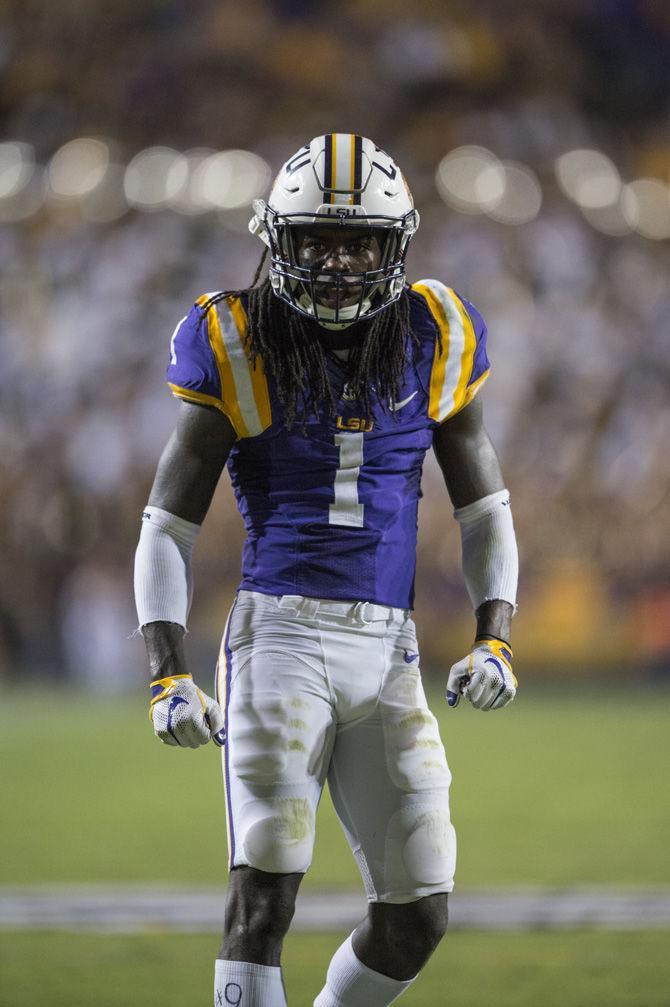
x=609 y=220
x=78 y=168
x=473 y=180
x=189 y=200
x=86 y=176
x=107 y=202
x=521 y=197
x=17 y=163
x=589 y=178
x=470 y=179
x=155 y=177
x=21 y=182
x=231 y=179
x=646 y=207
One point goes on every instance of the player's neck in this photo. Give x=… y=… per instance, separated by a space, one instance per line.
x=340 y=339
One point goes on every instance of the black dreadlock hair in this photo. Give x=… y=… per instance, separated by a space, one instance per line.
x=290 y=349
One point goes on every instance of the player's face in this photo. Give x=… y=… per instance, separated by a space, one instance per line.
x=339 y=250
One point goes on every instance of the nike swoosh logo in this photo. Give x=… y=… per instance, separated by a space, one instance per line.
x=174 y=703
x=395 y=406
x=409 y=657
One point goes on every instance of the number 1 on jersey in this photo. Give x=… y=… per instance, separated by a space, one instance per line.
x=346 y=510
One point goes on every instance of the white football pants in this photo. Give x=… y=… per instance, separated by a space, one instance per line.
x=315 y=689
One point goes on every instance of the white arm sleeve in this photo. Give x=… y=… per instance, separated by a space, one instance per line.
x=490 y=558
x=163 y=580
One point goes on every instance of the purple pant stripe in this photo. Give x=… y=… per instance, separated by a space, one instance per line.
x=228 y=658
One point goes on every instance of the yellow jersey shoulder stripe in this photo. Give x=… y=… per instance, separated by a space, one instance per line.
x=244 y=388
x=453 y=363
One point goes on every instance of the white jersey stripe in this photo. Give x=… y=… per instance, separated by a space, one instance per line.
x=239 y=366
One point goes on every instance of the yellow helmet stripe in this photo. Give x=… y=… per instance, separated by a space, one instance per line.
x=343 y=167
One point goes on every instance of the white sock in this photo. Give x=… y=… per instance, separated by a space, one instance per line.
x=350 y=983
x=243 y=984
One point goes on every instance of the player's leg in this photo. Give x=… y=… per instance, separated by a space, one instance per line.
x=396 y=817
x=398 y=939
x=279 y=737
x=386 y=952
x=259 y=910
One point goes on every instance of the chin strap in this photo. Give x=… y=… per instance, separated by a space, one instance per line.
x=326 y=315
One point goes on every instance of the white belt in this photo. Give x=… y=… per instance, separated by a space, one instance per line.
x=357 y=611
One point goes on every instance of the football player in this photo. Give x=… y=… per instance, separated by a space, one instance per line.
x=322 y=388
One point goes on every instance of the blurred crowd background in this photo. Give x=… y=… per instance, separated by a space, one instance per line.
x=536 y=139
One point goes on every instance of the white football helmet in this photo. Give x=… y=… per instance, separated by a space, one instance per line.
x=337 y=180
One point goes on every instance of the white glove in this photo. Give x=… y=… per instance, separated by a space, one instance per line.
x=183 y=715
x=485 y=676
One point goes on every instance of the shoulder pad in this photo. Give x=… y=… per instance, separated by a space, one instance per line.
x=211 y=364
x=460 y=365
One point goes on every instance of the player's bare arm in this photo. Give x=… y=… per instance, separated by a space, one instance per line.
x=192 y=462
x=187 y=475
x=467 y=457
x=475 y=484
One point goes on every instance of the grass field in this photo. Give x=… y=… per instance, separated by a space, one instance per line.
x=555 y=790
x=584 y=969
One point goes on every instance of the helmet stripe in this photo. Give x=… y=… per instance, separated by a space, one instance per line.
x=343 y=167
x=333 y=183
x=358 y=168
x=328 y=165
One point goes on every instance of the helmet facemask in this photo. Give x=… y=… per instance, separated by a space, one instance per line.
x=337 y=181
x=336 y=298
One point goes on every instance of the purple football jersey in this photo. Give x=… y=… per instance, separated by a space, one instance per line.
x=331 y=511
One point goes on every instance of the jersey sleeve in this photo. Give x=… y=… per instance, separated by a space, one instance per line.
x=210 y=364
x=192 y=373
x=460 y=365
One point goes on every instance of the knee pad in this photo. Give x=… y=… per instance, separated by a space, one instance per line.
x=420 y=851
x=282 y=841
x=429 y=853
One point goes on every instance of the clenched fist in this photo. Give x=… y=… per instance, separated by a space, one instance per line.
x=485 y=676
x=183 y=715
